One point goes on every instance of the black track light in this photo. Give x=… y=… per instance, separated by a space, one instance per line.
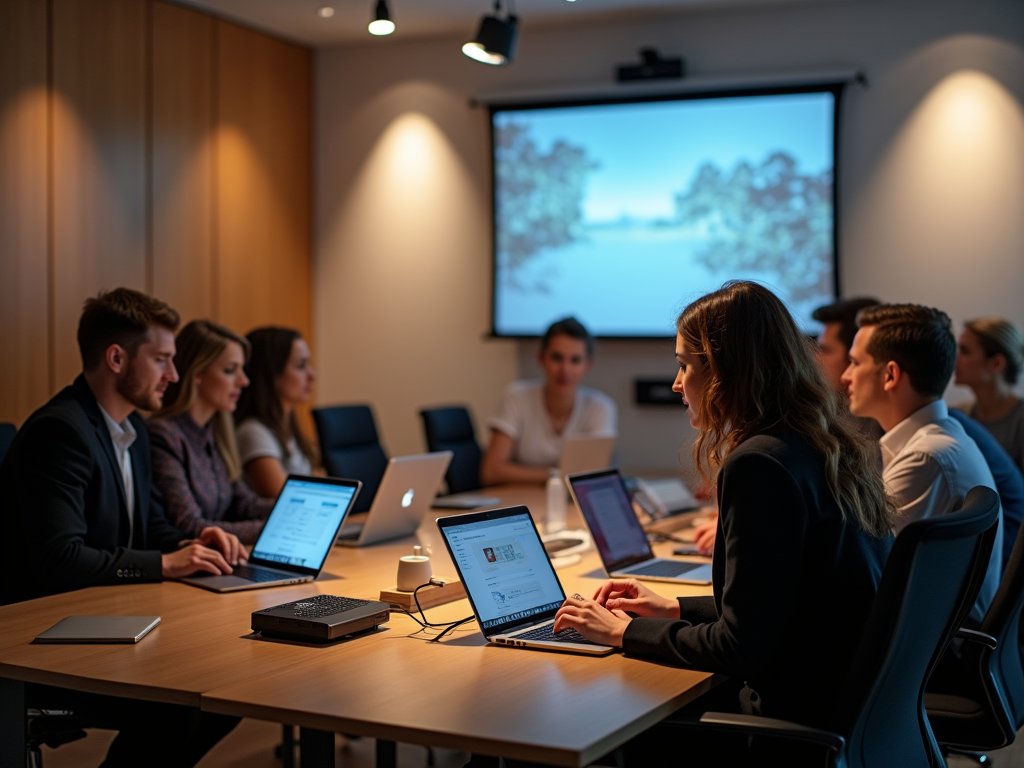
x=382 y=23
x=495 y=41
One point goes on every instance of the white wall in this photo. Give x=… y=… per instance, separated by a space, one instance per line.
x=931 y=188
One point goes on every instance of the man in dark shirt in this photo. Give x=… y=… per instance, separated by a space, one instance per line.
x=80 y=510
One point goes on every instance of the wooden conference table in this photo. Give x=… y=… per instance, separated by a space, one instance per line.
x=392 y=685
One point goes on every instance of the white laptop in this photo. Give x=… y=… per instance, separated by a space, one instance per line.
x=408 y=488
x=509 y=580
x=296 y=538
x=585 y=454
x=619 y=537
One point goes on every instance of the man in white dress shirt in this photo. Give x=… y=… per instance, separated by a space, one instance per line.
x=900 y=363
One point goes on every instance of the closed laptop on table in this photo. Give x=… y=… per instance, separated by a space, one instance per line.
x=296 y=539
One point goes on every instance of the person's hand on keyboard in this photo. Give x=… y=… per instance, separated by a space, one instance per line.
x=592 y=620
x=631 y=596
x=193 y=557
x=227 y=543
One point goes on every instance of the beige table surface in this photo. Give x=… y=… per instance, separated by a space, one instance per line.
x=462 y=693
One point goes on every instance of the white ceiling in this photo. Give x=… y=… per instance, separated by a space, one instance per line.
x=297 y=20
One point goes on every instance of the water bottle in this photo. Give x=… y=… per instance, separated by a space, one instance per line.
x=556 y=503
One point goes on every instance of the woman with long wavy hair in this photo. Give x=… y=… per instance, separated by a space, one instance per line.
x=805 y=524
x=195 y=456
x=270 y=443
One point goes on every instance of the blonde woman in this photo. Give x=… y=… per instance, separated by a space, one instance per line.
x=988 y=360
x=195 y=456
x=804 y=526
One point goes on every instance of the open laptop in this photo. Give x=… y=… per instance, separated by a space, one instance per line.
x=618 y=535
x=585 y=454
x=296 y=538
x=405 y=493
x=509 y=580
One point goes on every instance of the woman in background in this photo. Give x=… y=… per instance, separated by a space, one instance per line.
x=195 y=456
x=535 y=416
x=270 y=443
x=989 y=358
x=804 y=526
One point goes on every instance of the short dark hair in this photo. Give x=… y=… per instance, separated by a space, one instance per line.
x=121 y=316
x=918 y=339
x=844 y=312
x=571 y=327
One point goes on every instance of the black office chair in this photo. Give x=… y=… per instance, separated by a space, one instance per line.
x=930 y=582
x=976 y=701
x=451 y=429
x=349 y=447
x=7 y=433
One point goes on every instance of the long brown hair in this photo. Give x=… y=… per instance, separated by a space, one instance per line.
x=271 y=350
x=761 y=374
x=199 y=345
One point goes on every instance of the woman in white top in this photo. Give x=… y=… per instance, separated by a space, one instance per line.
x=990 y=354
x=535 y=416
x=270 y=443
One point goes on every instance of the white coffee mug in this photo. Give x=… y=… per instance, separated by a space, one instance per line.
x=413 y=570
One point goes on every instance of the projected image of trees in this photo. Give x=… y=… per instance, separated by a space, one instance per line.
x=767 y=217
x=540 y=195
x=619 y=214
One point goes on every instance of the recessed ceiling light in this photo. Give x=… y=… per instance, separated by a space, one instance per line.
x=325 y=13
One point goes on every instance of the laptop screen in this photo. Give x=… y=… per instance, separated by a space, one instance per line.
x=304 y=521
x=605 y=505
x=503 y=565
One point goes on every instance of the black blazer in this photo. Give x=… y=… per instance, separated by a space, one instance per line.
x=793 y=585
x=63 y=520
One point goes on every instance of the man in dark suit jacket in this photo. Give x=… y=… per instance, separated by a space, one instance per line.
x=79 y=509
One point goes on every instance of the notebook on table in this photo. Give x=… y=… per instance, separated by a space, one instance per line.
x=296 y=539
x=405 y=493
x=619 y=537
x=510 y=582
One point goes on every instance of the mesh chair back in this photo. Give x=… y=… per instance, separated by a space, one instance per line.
x=1002 y=672
x=930 y=582
x=350 y=448
x=7 y=433
x=451 y=429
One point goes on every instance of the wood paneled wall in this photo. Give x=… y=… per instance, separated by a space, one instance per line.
x=153 y=146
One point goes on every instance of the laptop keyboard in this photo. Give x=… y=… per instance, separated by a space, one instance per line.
x=323 y=605
x=547 y=632
x=666 y=568
x=257 y=574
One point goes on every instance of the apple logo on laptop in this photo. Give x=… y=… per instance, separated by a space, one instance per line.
x=407 y=498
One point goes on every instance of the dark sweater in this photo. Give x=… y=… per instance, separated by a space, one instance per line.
x=793 y=585
x=198 y=491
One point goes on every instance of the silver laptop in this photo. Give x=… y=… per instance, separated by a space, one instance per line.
x=99 y=629
x=619 y=537
x=511 y=585
x=405 y=493
x=296 y=538
x=585 y=454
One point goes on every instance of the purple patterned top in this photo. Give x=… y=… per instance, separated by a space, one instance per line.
x=193 y=478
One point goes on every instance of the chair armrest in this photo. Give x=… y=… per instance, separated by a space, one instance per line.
x=977 y=637
x=771 y=727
